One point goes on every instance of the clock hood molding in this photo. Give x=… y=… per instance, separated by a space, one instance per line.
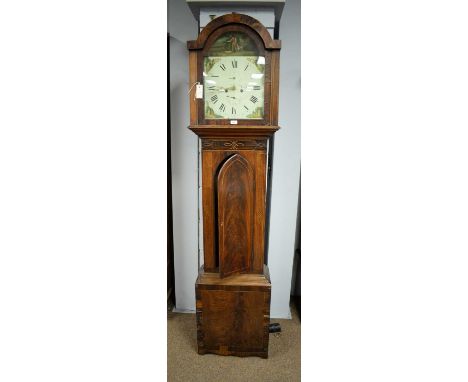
x=210 y=131
x=234 y=18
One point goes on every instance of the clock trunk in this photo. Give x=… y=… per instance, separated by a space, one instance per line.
x=233 y=289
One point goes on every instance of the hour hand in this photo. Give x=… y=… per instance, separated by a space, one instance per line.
x=221 y=88
x=215 y=88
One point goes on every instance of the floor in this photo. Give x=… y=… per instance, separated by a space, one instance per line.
x=185 y=364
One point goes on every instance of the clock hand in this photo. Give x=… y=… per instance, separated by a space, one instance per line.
x=220 y=89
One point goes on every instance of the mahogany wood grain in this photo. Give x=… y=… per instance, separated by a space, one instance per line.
x=208 y=192
x=260 y=206
x=193 y=78
x=235 y=187
x=210 y=131
x=233 y=316
x=212 y=159
x=274 y=89
x=242 y=280
x=234 y=18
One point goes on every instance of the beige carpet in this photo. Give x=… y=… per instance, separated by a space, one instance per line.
x=185 y=364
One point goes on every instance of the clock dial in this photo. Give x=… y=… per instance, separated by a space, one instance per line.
x=234 y=87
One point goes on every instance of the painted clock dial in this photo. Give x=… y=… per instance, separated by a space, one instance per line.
x=233 y=78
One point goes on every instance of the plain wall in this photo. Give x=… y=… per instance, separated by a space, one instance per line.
x=286 y=162
x=285 y=179
x=184 y=152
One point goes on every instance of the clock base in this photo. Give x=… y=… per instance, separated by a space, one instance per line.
x=233 y=314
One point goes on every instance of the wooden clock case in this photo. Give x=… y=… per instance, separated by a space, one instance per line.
x=233 y=288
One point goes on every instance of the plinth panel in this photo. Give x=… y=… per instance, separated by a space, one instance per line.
x=233 y=314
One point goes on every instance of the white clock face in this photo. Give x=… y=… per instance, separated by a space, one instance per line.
x=234 y=87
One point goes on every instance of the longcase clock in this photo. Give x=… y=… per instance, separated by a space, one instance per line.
x=237 y=62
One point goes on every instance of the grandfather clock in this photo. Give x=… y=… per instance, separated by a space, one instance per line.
x=235 y=65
